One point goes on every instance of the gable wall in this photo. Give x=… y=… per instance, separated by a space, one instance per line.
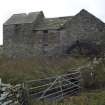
x=18 y=38
x=86 y=28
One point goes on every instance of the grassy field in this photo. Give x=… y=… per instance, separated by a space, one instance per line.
x=91 y=98
x=19 y=70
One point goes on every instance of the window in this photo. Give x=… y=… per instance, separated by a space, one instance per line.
x=45 y=44
x=45 y=36
x=45 y=31
x=17 y=28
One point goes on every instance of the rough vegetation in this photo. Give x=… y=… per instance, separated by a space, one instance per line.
x=91 y=98
x=19 y=70
x=93 y=72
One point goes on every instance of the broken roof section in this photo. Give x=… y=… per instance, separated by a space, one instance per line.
x=23 y=18
x=43 y=24
x=52 y=23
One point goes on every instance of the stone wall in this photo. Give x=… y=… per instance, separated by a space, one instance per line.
x=47 y=43
x=18 y=40
x=86 y=28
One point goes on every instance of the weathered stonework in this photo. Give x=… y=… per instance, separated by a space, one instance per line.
x=33 y=34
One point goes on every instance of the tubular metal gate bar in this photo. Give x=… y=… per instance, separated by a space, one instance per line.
x=54 y=88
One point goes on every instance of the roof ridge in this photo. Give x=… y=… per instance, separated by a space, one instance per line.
x=22 y=18
x=59 y=17
x=52 y=23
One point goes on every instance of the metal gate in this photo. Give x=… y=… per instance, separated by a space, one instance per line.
x=54 y=88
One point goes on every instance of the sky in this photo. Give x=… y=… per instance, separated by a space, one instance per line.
x=51 y=8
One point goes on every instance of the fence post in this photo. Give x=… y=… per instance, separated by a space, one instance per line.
x=25 y=95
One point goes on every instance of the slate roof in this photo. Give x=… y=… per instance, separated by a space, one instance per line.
x=22 y=18
x=44 y=24
x=52 y=23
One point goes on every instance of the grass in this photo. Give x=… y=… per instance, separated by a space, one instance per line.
x=97 y=78
x=19 y=70
x=93 y=98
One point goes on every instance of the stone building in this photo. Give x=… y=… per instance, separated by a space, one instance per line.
x=33 y=35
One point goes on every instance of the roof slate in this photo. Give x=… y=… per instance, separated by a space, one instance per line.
x=45 y=24
x=22 y=18
x=52 y=23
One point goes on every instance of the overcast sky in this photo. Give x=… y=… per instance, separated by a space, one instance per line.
x=51 y=8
